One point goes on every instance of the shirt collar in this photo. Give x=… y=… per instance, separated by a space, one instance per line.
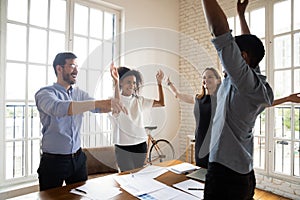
x=61 y=88
x=257 y=69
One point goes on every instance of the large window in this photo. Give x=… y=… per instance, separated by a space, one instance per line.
x=277 y=130
x=286 y=45
x=34 y=31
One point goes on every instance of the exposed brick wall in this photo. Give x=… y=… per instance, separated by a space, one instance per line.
x=194 y=59
x=284 y=188
x=196 y=54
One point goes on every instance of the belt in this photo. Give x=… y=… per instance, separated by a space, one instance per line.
x=72 y=155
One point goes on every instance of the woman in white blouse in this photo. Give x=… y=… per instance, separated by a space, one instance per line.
x=129 y=134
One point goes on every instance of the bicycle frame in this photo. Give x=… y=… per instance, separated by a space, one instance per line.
x=149 y=142
x=153 y=144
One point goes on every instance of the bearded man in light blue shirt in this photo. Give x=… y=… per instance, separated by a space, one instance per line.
x=61 y=107
x=242 y=96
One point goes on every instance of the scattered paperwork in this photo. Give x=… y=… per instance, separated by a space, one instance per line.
x=191 y=186
x=142 y=185
x=149 y=172
x=95 y=192
x=167 y=193
x=138 y=185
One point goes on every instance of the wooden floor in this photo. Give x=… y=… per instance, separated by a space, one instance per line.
x=263 y=195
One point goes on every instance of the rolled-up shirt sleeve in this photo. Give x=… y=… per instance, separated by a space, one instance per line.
x=84 y=96
x=48 y=102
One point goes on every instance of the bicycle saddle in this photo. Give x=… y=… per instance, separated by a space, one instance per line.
x=150 y=127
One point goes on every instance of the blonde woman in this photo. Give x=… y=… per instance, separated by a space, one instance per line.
x=204 y=107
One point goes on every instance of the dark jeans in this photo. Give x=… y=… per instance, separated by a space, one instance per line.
x=131 y=157
x=224 y=183
x=54 y=170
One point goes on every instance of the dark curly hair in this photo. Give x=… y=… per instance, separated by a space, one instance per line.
x=253 y=46
x=124 y=72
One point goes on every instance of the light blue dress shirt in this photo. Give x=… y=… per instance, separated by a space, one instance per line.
x=242 y=96
x=61 y=132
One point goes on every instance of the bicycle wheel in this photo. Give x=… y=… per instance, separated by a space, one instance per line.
x=161 y=151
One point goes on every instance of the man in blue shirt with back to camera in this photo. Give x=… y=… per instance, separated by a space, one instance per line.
x=61 y=109
x=242 y=96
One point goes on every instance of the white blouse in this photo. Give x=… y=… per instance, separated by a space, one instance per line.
x=129 y=129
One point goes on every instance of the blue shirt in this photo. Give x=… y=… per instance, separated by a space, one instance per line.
x=61 y=132
x=242 y=96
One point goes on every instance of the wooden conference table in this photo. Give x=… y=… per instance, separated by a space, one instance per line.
x=63 y=193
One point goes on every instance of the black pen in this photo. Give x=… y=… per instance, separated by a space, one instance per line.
x=79 y=190
x=195 y=188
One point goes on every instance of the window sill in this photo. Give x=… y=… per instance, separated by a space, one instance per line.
x=11 y=191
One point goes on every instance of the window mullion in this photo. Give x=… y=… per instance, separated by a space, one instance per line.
x=292 y=89
x=25 y=108
x=270 y=74
x=70 y=24
x=292 y=139
x=3 y=13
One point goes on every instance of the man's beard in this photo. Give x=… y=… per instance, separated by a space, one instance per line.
x=67 y=78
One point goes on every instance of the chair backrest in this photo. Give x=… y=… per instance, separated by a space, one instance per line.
x=100 y=160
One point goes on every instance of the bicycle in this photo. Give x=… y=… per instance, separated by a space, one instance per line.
x=160 y=150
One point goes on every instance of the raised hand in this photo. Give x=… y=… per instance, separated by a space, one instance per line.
x=241 y=7
x=159 y=76
x=114 y=72
x=169 y=81
x=295 y=98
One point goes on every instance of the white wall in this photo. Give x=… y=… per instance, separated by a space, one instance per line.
x=148 y=13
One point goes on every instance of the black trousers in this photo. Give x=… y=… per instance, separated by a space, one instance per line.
x=131 y=156
x=55 y=169
x=224 y=183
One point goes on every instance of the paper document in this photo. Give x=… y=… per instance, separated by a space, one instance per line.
x=142 y=186
x=186 y=196
x=96 y=192
x=183 y=168
x=137 y=184
x=169 y=193
x=151 y=171
x=191 y=186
